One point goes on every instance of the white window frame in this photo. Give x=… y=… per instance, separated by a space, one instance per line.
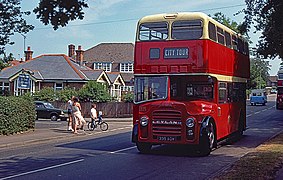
x=58 y=88
x=127 y=67
x=106 y=66
x=127 y=88
x=3 y=86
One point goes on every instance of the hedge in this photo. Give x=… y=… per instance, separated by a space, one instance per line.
x=17 y=114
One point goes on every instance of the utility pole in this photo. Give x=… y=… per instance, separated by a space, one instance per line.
x=24 y=36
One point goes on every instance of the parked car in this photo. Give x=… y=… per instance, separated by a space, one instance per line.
x=47 y=111
x=258 y=96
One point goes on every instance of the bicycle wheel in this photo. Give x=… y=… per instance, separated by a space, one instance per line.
x=91 y=126
x=103 y=126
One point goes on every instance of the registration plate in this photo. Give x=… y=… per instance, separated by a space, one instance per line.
x=166 y=138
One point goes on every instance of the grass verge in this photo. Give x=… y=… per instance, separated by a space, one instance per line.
x=262 y=163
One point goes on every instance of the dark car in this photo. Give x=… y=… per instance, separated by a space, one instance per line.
x=47 y=111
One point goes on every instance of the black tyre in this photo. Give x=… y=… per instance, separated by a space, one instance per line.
x=90 y=126
x=207 y=140
x=54 y=117
x=144 y=147
x=104 y=126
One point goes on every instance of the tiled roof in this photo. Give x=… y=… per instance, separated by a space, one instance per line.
x=49 y=67
x=92 y=74
x=110 y=52
x=112 y=76
x=127 y=77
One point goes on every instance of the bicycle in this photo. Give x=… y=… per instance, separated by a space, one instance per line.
x=95 y=123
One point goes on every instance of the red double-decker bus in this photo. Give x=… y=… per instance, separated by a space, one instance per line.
x=190 y=81
x=279 y=99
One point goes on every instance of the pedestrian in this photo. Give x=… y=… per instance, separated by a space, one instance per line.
x=93 y=113
x=70 y=114
x=78 y=118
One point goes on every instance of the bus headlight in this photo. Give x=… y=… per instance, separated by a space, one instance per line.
x=190 y=122
x=144 y=121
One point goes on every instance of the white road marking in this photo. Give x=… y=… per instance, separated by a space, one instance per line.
x=43 y=169
x=121 y=150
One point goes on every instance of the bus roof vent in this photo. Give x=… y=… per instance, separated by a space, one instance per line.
x=171 y=16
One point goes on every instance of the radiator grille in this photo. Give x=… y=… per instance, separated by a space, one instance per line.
x=166 y=123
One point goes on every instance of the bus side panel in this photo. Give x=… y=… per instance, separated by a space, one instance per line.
x=225 y=61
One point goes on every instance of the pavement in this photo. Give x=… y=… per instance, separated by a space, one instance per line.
x=51 y=131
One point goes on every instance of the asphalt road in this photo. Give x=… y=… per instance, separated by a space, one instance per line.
x=111 y=155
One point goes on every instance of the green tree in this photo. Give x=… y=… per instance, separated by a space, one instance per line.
x=59 y=12
x=4 y=62
x=259 y=73
x=11 y=22
x=94 y=91
x=266 y=16
x=227 y=21
x=54 y=12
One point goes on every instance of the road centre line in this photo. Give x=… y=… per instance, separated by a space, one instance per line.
x=121 y=150
x=43 y=169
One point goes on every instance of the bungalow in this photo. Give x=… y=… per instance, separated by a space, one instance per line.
x=53 y=70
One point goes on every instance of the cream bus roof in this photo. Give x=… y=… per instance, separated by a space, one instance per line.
x=184 y=16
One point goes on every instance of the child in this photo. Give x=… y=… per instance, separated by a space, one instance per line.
x=93 y=113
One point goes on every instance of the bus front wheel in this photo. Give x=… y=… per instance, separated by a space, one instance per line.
x=207 y=140
x=144 y=147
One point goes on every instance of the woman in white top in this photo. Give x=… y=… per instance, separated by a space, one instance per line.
x=79 y=120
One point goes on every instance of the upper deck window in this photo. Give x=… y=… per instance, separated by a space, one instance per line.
x=187 y=29
x=153 y=31
x=220 y=35
x=228 y=39
x=212 y=31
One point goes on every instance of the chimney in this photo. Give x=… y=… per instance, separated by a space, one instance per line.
x=80 y=55
x=71 y=49
x=28 y=54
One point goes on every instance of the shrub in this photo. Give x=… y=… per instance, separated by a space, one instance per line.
x=128 y=97
x=45 y=94
x=16 y=114
x=94 y=91
x=66 y=94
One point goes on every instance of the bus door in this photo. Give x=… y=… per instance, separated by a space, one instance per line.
x=223 y=111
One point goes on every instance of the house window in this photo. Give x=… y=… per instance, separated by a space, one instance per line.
x=127 y=88
x=4 y=87
x=103 y=65
x=58 y=86
x=126 y=67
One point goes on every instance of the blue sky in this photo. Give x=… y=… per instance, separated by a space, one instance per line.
x=113 y=21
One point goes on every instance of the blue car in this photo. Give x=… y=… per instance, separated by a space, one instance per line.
x=258 y=96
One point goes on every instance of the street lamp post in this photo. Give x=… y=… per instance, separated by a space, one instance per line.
x=24 y=36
